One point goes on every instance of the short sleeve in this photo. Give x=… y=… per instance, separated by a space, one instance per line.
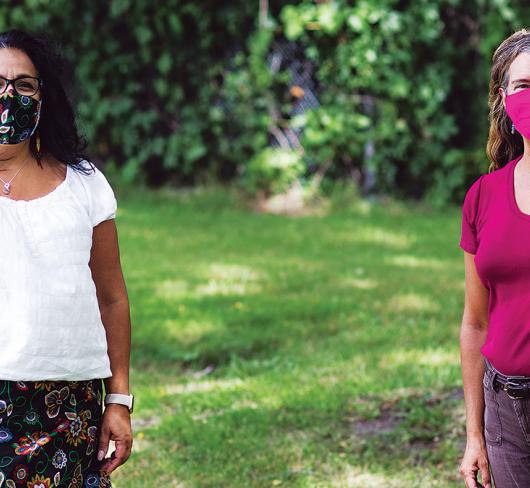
x=102 y=204
x=468 y=237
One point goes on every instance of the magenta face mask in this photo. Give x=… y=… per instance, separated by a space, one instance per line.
x=518 y=109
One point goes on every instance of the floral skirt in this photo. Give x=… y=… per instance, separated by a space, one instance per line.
x=49 y=434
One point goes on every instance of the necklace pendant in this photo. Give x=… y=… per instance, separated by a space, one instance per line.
x=6 y=188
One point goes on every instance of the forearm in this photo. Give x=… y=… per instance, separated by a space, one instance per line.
x=117 y=322
x=472 y=363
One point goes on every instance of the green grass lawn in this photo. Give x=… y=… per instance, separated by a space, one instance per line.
x=277 y=351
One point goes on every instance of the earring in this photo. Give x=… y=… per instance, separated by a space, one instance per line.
x=37 y=147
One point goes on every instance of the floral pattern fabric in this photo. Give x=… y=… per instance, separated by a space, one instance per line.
x=49 y=434
x=19 y=117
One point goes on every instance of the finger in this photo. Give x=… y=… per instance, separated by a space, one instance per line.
x=106 y=465
x=112 y=463
x=118 y=456
x=471 y=481
x=104 y=439
x=485 y=472
x=468 y=471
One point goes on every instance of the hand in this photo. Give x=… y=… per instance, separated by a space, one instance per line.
x=115 y=425
x=475 y=459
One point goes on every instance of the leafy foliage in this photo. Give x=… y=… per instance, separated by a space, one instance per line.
x=272 y=170
x=180 y=90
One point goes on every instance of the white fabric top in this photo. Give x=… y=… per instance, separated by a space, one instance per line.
x=50 y=322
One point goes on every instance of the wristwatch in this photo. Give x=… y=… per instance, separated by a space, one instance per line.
x=127 y=400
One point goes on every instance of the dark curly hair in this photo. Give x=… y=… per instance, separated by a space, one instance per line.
x=57 y=125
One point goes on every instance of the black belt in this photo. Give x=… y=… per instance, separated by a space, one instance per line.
x=515 y=387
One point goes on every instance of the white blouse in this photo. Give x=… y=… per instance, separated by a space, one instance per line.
x=50 y=322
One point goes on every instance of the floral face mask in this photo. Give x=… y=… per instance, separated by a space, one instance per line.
x=19 y=117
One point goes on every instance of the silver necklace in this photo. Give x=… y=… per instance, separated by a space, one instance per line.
x=6 y=189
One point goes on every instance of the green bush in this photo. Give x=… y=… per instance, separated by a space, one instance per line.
x=272 y=171
x=181 y=90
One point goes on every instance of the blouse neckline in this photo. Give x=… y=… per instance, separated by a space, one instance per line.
x=52 y=194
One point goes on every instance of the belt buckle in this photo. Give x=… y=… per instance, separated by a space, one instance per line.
x=516 y=387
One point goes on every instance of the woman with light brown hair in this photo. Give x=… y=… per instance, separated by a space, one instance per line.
x=495 y=330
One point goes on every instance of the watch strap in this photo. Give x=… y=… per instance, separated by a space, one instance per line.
x=122 y=399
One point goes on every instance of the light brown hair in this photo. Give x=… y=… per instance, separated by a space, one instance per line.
x=503 y=146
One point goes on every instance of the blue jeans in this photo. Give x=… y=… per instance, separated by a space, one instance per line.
x=507 y=434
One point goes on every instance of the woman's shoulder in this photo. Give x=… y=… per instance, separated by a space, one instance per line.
x=90 y=176
x=474 y=189
x=486 y=190
x=489 y=182
x=86 y=169
x=91 y=185
x=491 y=187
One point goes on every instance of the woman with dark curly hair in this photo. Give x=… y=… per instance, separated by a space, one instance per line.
x=64 y=310
x=495 y=237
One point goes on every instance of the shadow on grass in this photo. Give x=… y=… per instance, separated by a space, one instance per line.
x=378 y=436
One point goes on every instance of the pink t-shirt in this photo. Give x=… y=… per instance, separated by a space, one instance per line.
x=498 y=233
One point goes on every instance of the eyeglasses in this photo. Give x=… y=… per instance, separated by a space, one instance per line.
x=25 y=85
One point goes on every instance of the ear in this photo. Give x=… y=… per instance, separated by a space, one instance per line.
x=503 y=95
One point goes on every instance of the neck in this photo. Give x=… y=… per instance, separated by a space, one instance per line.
x=13 y=156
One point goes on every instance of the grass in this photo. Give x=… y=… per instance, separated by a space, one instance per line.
x=268 y=351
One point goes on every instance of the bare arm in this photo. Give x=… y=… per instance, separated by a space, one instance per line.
x=472 y=335
x=114 y=306
x=113 y=303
